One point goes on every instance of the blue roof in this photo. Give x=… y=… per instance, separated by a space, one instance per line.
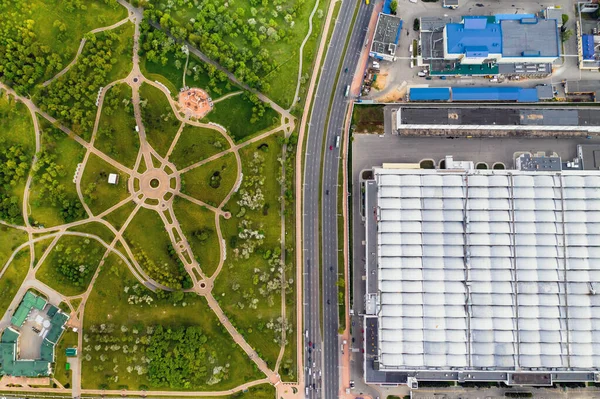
x=476 y=51
x=460 y=38
x=501 y=17
x=588 y=47
x=429 y=94
x=494 y=94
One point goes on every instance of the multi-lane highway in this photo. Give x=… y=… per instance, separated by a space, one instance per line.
x=325 y=124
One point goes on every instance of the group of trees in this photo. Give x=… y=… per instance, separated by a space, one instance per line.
x=72 y=98
x=182 y=357
x=52 y=191
x=14 y=166
x=25 y=59
x=227 y=34
x=76 y=260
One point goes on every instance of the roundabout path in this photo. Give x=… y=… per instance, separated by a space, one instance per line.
x=153 y=189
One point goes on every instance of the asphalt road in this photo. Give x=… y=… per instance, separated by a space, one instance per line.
x=325 y=354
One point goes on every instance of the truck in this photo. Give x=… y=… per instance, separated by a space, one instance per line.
x=337 y=141
x=347 y=92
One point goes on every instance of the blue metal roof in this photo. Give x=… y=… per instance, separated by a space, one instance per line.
x=460 y=37
x=494 y=94
x=429 y=94
x=476 y=51
x=588 y=47
x=387 y=8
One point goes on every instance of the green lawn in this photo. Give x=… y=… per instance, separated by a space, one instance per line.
x=198 y=225
x=73 y=22
x=118 y=217
x=39 y=247
x=198 y=180
x=97 y=229
x=234 y=114
x=195 y=144
x=116 y=135
x=62 y=269
x=242 y=277
x=63 y=156
x=109 y=305
x=98 y=193
x=12 y=279
x=149 y=241
x=159 y=121
x=16 y=129
x=10 y=239
x=68 y=340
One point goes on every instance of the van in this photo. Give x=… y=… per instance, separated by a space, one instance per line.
x=410 y=49
x=337 y=141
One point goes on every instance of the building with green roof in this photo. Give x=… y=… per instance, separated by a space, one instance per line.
x=54 y=324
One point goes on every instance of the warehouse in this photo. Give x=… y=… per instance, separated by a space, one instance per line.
x=482 y=275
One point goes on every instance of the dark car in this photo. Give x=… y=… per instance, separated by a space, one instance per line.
x=346 y=70
x=328 y=302
x=313 y=345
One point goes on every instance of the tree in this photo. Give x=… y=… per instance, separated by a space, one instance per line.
x=565 y=19
x=566 y=35
x=394 y=6
x=416 y=24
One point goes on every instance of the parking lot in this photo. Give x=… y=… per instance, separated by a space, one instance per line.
x=396 y=76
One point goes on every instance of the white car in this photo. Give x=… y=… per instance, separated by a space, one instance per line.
x=422 y=74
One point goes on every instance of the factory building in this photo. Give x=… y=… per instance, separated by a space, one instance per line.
x=482 y=275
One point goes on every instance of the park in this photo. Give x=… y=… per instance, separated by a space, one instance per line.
x=145 y=195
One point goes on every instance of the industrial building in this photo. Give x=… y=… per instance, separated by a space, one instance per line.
x=521 y=44
x=27 y=347
x=386 y=36
x=480 y=94
x=482 y=275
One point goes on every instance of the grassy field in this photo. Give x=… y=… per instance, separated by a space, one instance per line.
x=118 y=217
x=160 y=122
x=109 y=305
x=68 y=154
x=97 y=229
x=368 y=119
x=68 y=340
x=116 y=135
x=97 y=192
x=237 y=282
x=59 y=270
x=198 y=180
x=234 y=114
x=196 y=144
x=10 y=239
x=73 y=23
x=12 y=278
x=147 y=236
x=198 y=225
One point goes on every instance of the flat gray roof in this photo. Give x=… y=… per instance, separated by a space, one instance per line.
x=488 y=270
x=518 y=37
x=385 y=34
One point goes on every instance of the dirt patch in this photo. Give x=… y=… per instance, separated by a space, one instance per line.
x=381 y=82
x=368 y=119
x=195 y=103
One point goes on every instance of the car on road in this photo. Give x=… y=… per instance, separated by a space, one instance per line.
x=326 y=192
x=328 y=302
x=313 y=345
x=309 y=343
x=346 y=70
x=330 y=148
x=351 y=384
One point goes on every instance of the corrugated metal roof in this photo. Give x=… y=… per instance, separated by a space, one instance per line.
x=494 y=94
x=429 y=94
x=496 y=288
x=475 y=32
